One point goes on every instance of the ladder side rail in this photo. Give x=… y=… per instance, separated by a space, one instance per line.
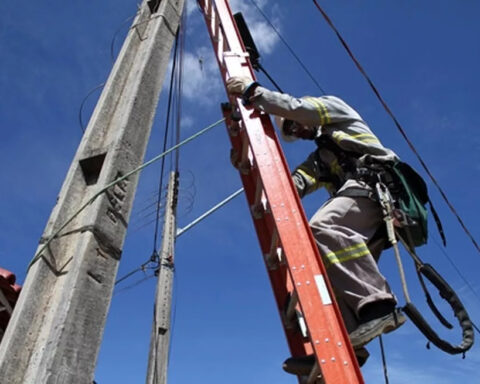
x=280 y=280
x=324 y=324
x=327 y=334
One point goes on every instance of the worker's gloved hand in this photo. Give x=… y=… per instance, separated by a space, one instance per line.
x=237 y=85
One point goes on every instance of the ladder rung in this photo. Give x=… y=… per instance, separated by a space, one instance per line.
x=234 y=128
x=302 y=325
x=294 y=317
x=290 y=311
x=245 y=161
x=315 y=376
x=259 y=206
x=275 y=255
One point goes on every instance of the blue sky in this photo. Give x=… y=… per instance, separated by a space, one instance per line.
x=423 y=57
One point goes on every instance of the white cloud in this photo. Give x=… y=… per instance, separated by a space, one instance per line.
x=201 y=75
x=191 y=5
x=264 y=36
x=187 y=121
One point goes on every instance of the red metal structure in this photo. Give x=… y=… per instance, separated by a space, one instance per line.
x=9 y=292
x=310 y=315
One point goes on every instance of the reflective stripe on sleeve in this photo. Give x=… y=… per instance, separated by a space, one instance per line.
x=366 y=138
x=350 y=253
x=312 y=182
x=321 y=109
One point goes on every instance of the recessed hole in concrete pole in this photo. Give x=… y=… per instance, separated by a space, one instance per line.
x=91 y=168
x=153 y=5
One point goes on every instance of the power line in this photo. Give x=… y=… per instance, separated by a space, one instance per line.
x=400 y=128
x=112 y=43
x=209 y=212
x=167 y=125
x=80 y=117
x=82 y=104
x=38 y=255
x=384 y=359
x=290 y=49
x=450 y=260
x=142 y=267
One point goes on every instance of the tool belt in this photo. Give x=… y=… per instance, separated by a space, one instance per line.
x=406 y=186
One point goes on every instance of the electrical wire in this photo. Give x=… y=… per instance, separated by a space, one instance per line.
x=80 y=110
x=290 y=49
x=137 y=283
x=80 y=118
x=142 y=267
x=414 y=150
x=38 y=255
x=175 y=90
x=457 y=270
x=384 y=360
x=112 y=43
x=147 y=223
x=182 y=37
x=180 y=231
x=147 y=203
x=397 y=124
x=167 y=124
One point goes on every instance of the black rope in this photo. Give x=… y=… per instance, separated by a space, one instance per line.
x=183 y=27
x=80 y=110
x=142 y=267
x=384 y=360
x=290 y=49
x=112 y=43
x=450 y=260
x=400 y=128
x=264 y=71
x=137 y=283
x=475 y=326
x=167 y=123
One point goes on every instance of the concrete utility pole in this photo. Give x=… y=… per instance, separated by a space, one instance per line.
x=55 y=332
x=160 y=337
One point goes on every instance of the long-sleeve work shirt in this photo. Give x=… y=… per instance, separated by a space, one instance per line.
x=337 y=120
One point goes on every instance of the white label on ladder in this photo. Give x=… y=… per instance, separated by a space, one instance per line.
x=303 y=325
x=322 y=289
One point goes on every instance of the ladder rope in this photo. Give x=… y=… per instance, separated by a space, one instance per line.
x=115 y=182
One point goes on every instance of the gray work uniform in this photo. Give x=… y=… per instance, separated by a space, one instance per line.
x=344 y=226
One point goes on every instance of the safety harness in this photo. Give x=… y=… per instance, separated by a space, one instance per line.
x=402 y=195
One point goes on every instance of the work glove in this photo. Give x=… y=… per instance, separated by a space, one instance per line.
x=237 y=85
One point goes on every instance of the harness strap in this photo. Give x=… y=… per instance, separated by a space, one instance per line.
x=357 y=192
x=448 y=294
x=431 y=304
x=438 y=222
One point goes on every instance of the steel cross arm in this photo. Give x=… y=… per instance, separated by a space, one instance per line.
x=292 y=258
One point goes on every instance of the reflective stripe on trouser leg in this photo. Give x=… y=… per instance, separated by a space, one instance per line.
x=342 y=229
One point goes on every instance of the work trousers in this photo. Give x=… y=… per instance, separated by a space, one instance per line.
x=342 y=228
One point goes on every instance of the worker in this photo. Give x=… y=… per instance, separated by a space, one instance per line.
x=348 y=229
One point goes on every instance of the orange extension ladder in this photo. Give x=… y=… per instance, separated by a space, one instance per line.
x=309 y=313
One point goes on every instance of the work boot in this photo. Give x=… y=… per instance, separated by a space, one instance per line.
x=367 y=331
x=303 y=365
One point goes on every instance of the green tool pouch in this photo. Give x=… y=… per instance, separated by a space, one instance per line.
x=411 y=197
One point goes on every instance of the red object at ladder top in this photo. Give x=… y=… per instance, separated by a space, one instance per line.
x=296 y=271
